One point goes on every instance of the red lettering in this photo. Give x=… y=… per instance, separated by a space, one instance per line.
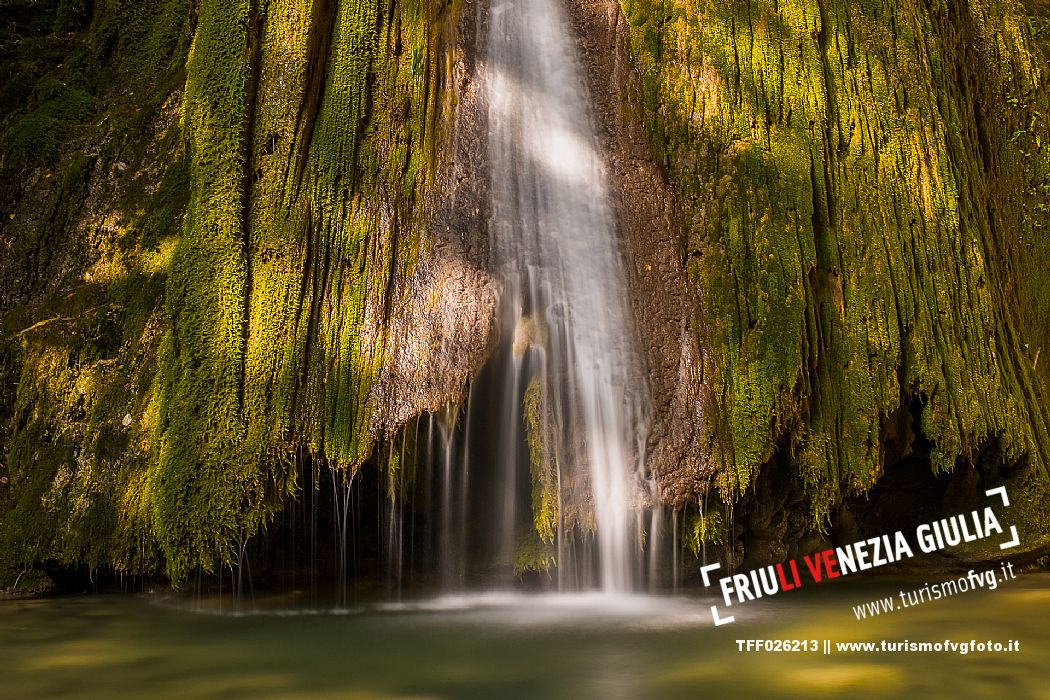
x=831 y=564
x=784 y=586
x=814 y=566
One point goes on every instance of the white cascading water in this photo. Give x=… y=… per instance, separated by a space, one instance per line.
x=564 y=303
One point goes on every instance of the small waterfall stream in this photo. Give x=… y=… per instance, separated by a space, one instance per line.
x=565 y=325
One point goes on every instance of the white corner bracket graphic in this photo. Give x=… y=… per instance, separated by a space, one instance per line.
x=720 y=620
x=1001 y=492
x=705 y=569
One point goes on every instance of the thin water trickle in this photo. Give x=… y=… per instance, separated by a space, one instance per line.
x=341 y=507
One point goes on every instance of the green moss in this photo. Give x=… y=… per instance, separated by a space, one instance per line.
x=544 y=469
x=91 y=253
x=310 y=140
x=856 y=222
x=140 y=39
x=402 y=464
x=532 y=554
x=35 y=138
x=704 y=529
x=205 y=486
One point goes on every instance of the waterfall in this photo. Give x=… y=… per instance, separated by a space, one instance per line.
x=564 y=316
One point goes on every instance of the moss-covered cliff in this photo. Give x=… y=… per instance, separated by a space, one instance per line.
x=863 y=192
x=242 y=237
x=232 y=271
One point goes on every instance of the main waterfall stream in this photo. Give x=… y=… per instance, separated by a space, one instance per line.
x=570 y=387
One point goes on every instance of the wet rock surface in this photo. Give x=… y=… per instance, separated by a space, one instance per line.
x=667 y=311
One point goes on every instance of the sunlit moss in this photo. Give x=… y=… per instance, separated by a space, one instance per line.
x=703 y=529
x=543 y=468
x=847 y=230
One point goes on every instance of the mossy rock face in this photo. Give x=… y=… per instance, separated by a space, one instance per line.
x=229 y=271
x=92 y=201
x=863 y=223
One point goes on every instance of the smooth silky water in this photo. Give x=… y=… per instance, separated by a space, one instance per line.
x=566 y=331
x=507 y=646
